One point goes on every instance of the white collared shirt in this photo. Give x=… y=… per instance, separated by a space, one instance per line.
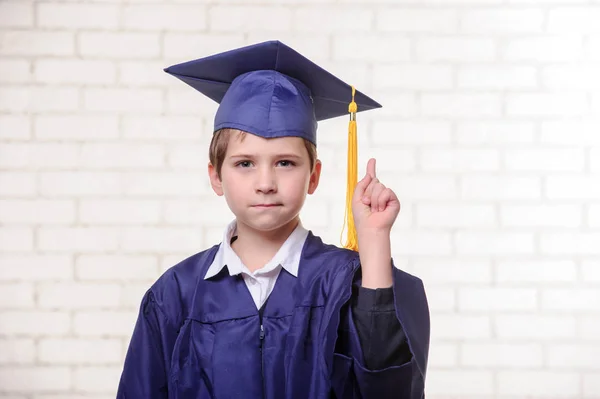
x=261 y=282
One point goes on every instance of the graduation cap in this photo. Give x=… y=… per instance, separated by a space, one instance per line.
x=270 y=90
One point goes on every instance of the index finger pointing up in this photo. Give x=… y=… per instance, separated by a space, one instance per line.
x=371 y=168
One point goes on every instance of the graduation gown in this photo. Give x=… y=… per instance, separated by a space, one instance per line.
x=197 y=339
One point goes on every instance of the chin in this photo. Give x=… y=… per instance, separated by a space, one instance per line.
x=267 y=222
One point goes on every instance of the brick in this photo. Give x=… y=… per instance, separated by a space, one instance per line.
x=80 y=351
x=19 y=379
x=582 y=77
x=536 y=271
x=591 y=385
x=438 y=271
x=574 y=20
x=409 y=132
x=459 y=160
x=422 y=243
x=541 y=215
x=590 y=270
x=15 y=127
x=315 y=46
x=35 y=156
x=172 y=17
x=592 y=46
x=78 y=295
x=80 y=183
x=17 y=351
x=497 y=77
x=318 y=18
x=116 y=267
x=412 y=77
x=502 y=20
x=441 y=299
x=104 y=323
x=463 y=383
x=119 y=45
x=161 y=239
x=16 y=14
x=535 y=327
x=165 y=183
x=416 y=20
x=96 y=379
x=399 y=104
x=16 y=296
x=39 y=99
x=232 y=18
x=554 y=105
x=536 y=383
x=35 y=267
x=142 y=73
x=370 y=47
x=460 y=383
x=574 y=356
x=455 y=215
x=497 y=299
x=122 y=155
x=568 y=160
x=77 y=16
x=442 y=355
x=497 y=133
x=76 y=127
x=162 y=128
x=191 y=212
x=189 y=156
x=180 y=46
x=123 y=100
x=494 y=354
x=315 y=214
x=14 y=70
x=595 y=159
x=570 y=243
x=185 y=101
x=456 y=49
x=17 y=184
x=34 y=322
x=571 y=300
x=69 y=239
x=543 y=48
x=119 y=212
x=74 y=71
x=133 y=293
x=460 y=326
x=496 y=243
x=572 y=187
x=16 y=239
x=500 y=187
x=589 y=327
x=461 y=105
x=37 y=43
x=390 y=160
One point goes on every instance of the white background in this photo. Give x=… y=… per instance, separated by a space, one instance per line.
x=490 y=135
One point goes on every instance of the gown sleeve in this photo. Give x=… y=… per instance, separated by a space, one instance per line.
x=146 y=369
x=383 y=341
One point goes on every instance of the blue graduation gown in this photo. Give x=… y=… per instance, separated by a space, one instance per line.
x=197 y=339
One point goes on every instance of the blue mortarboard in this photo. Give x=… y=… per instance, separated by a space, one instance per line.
x=270 y=90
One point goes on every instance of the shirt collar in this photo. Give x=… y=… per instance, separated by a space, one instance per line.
x=288 y=255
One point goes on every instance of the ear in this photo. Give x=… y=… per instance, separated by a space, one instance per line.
x=314 y=177
x=215 y=181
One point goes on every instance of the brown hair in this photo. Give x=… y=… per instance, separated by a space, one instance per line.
x=220 y=141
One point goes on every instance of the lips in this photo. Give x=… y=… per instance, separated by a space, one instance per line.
x=266 y=205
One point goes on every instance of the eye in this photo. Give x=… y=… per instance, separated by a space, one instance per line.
x=286 y=163
x=244 y=164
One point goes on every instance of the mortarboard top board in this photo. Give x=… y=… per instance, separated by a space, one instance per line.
x=270 y=90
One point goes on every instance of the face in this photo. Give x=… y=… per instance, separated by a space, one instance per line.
x=265 y=181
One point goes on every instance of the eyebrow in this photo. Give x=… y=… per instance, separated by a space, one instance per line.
x=288 y=155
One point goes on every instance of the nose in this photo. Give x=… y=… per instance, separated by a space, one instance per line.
x=266 y=181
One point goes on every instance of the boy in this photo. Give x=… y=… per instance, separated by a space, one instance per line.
x=272 y=312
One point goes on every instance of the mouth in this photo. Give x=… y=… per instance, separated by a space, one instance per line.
x=266 y=205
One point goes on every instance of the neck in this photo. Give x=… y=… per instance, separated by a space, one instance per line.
x=255 y=248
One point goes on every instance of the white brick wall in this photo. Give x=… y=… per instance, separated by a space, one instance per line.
x=490 y=134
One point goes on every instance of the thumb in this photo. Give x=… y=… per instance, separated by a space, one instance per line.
x=361 y=187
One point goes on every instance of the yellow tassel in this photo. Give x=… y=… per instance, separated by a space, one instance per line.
x=352 y=178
